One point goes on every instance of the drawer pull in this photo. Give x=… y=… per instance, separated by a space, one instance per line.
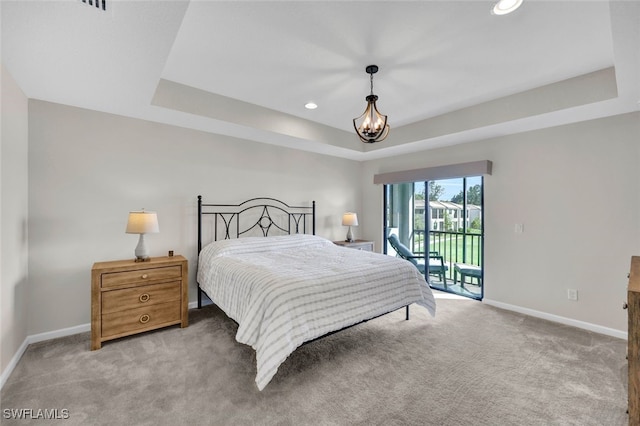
x=624 y=305
x=144 y=318
x=144 y=297
x=145 y=276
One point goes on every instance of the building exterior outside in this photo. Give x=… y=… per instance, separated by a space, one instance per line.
x=448 y=216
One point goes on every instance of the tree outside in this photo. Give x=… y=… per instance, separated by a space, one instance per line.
x=474 y=196
x=435 y=191
x=447 y=222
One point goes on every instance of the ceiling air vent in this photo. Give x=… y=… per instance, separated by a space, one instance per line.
x=100 y=4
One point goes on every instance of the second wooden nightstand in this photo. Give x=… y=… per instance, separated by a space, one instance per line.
x=130 y=297
x=357 y=244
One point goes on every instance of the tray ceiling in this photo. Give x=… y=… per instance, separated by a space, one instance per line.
x=450 y=72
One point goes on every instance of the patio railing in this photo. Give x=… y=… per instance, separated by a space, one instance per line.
x=455 y=247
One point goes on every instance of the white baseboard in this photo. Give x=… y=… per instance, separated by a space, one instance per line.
x=13 y=363
x=41 y=337
x=562 y=320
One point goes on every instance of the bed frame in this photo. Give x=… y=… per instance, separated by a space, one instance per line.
x=257 y=216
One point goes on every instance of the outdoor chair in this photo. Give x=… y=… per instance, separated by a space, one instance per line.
x=436 y=262
x=465 y=270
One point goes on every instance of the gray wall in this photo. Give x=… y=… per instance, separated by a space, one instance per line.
x=88 y=169
x=13 y=223
x=576 y=189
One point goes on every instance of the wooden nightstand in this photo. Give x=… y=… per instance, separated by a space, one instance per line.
x=357 y=244
x=129 y=297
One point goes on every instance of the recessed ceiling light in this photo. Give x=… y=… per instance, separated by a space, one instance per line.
x=310 y=105
x=502 y=7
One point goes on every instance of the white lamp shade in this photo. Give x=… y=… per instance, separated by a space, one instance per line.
x=142 y=223
x=350 y=219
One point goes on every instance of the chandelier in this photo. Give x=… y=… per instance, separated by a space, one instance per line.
x=371 y=126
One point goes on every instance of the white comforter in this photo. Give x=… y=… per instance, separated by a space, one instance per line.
x=286 y=290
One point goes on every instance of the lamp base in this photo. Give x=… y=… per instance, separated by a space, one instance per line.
x=349 y=236
x=141 y=251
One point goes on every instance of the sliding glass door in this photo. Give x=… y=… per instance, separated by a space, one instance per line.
x=440 y=223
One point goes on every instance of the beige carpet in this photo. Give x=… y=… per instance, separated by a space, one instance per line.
x=471 y=365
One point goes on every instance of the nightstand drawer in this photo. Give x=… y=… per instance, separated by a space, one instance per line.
x=136 y=320
x=136 y=297
x=115 y=279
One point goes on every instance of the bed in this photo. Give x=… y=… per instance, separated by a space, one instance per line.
x=288 y=289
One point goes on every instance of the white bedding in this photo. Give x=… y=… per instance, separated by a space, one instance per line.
x=286 y=290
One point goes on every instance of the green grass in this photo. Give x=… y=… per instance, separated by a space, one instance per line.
x=451 y=247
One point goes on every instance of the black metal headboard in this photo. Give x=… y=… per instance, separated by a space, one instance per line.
x=263 y=214
x=258 y=216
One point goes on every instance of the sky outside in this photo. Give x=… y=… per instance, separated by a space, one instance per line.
x=452 y=187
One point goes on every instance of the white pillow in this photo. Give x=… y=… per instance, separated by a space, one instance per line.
x=261 y=244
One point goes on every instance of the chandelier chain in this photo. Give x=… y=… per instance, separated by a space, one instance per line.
x=371 y=78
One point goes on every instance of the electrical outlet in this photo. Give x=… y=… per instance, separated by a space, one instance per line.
x=519 y=228
x=572 y=294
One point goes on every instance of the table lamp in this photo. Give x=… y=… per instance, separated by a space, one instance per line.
x=142 y=222
x=349 y=219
